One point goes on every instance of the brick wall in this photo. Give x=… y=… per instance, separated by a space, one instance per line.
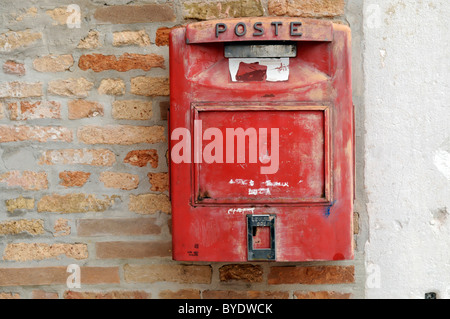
x=83 y=142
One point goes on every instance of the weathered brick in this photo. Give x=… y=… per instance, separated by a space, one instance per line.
x=132 y=110
x=9 y=295
x=73 y=178
x=42 y=294
x=132 y=249
x=2 y=115
x=321 y=295
x=139 y=38
x=126 y=62
x=224 y=9
x=314 y=275
x=91 y=41
x=307 y=8
x=141 y=158
x=112 y=87
x=117 y=227
x=14 y=227
x=38 y=276
x=29 y=13
x=149 y=204
x=59 y=15
x=37 y=110
x=15 y=68
x=159 y=181
x=277 y=7
x=41 y=251
x=26 y=180
x=185 y=274
x=355 y=223
x=149 y=86
x=73 y=87
x=94 y=157
x=61 y=227
x=127 y=14
x=79 y=109
x=74 y=203
x=121 y=134
x=162 y=35
x=13 y=40
x=53 y=63
x=247 y=294
x=241 y=272
x=34 y=133
x=124 y=181
x=180 y=294
x=19 y=203
x=20 y=89
x=122 y=294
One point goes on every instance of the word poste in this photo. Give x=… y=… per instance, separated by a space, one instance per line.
x=241 y=28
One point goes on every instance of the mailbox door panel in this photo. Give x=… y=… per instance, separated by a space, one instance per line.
x=311 y=194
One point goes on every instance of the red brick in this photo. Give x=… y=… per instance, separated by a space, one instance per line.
x=141 y=158
x=26 y=180
x=9 y=295
x=162 y=35
x=321 y=295
x=12 y=67
x=184 y=274
x=159 y=181
x=126 y=62
x=241 y=272
x=314 y=275
x=126 y=14
x=36 y=110
x=34 y=133
x=117 y=227
x=38 y=276
x=73 y=179
x=307 y=8
x=42 y=294
x=133 y=249
x=122 y=294
x=79 y=109
x=247 y=294
x=180 y=294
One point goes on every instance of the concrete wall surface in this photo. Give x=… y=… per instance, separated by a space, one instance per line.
x=407 y=147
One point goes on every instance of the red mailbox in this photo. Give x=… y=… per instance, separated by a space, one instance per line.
x=261 y=140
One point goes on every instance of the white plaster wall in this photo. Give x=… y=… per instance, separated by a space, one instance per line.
x=407 y=147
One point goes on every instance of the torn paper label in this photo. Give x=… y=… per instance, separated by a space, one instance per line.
x=259 y=70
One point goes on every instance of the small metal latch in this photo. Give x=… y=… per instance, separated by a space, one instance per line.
x=253 y=222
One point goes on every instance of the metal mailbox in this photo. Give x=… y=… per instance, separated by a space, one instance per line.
x=261 y=128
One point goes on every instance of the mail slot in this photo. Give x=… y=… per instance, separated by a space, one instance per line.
x=261 y=140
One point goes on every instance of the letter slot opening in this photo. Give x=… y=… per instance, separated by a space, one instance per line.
x=261 y=237
x=261 y=50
